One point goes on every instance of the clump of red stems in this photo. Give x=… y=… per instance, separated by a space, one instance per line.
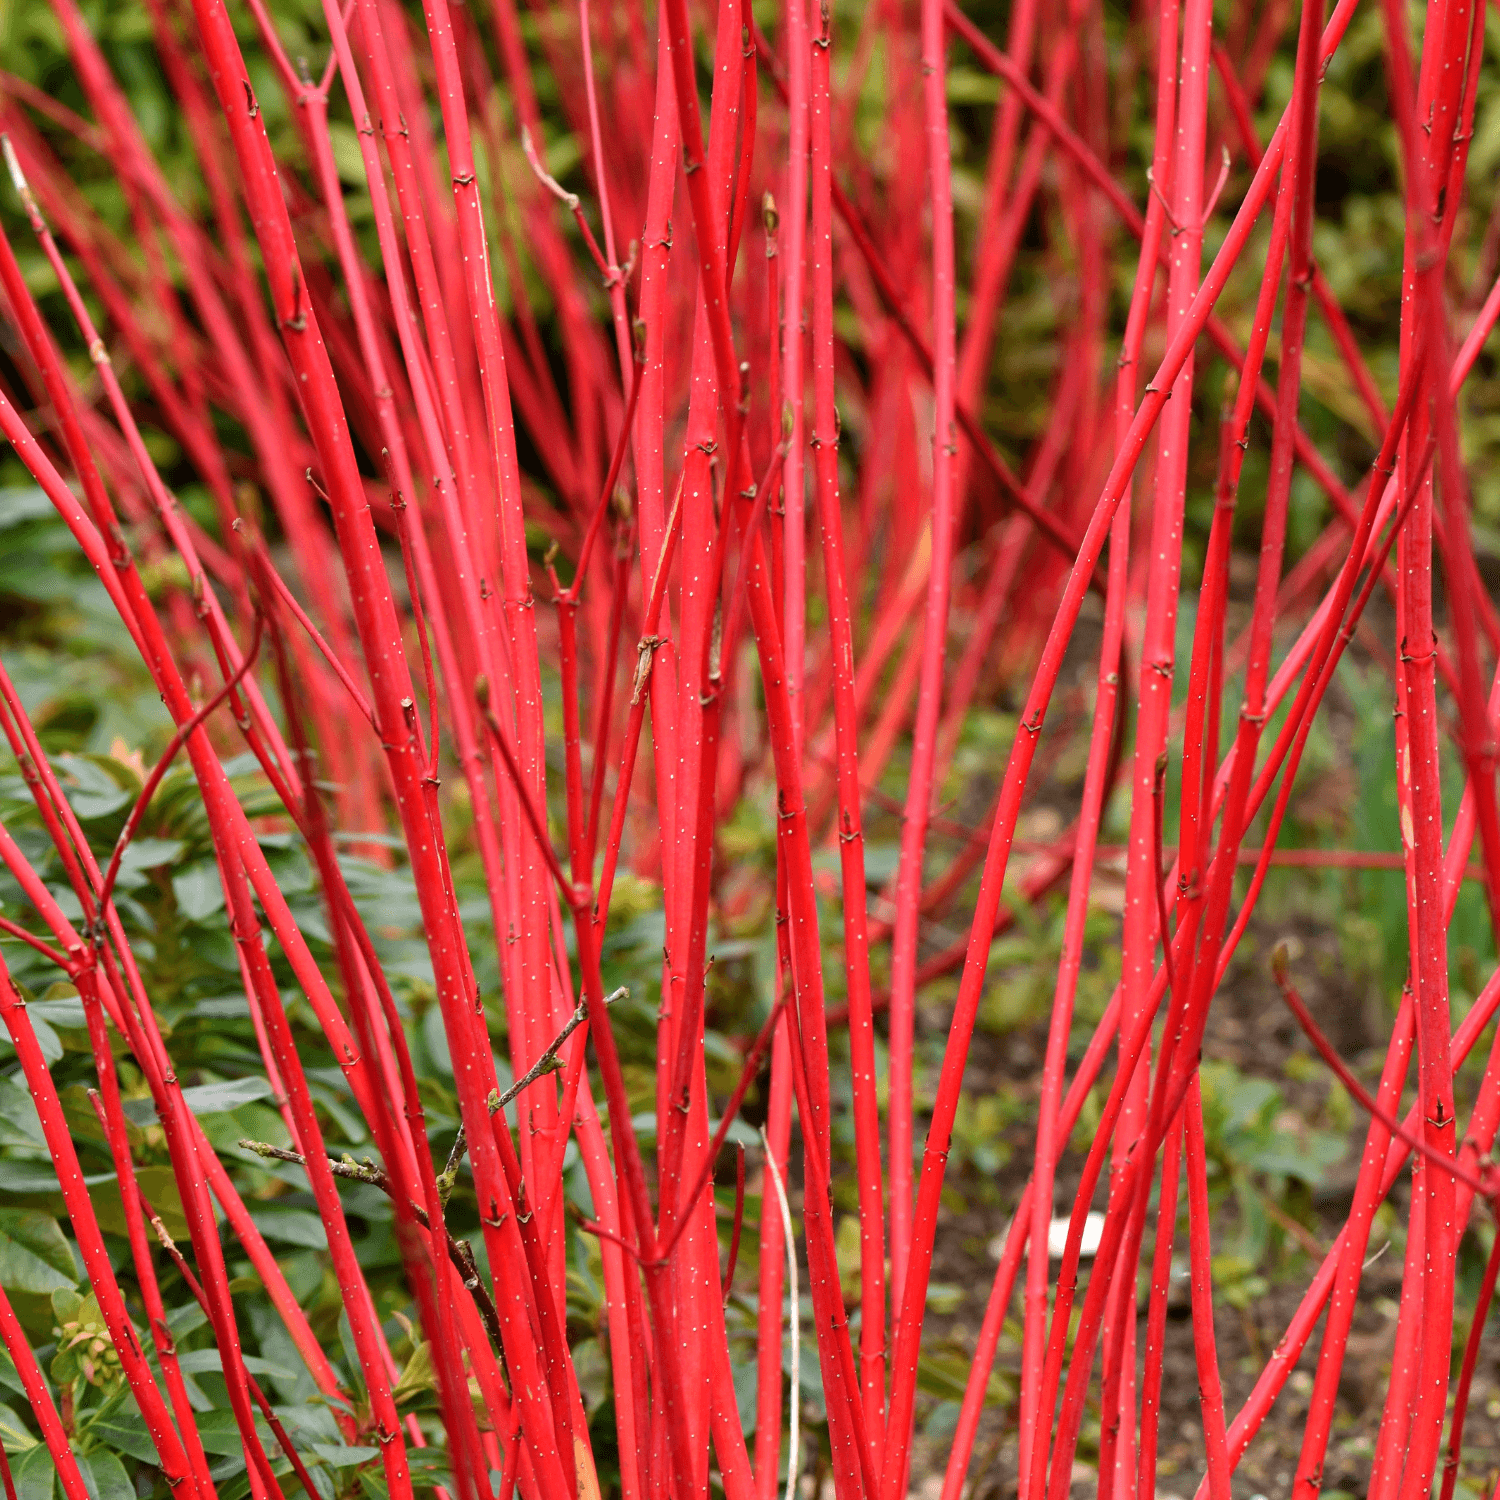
x=732 y=276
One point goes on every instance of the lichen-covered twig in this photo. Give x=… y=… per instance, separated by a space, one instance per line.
x=548 y=1062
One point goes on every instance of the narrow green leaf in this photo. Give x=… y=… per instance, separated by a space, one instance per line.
x=34 y=1255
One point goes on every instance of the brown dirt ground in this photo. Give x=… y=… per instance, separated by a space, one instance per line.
x=1250 y=1028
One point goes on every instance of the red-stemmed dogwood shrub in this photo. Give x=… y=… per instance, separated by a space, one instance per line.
x=571 y=557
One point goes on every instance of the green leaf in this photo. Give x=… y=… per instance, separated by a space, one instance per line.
x=942 y=1420
x=47 y=1039
x=105 y=1477
x=435 y=1038
x=199 y=891
x=429 y=1467
x=159 y=1185
x=34 y=1255
x=945 y=1373
x=18 y=1116
x=350 y=163
x=67 y=1303
x=339 y=1456
x=746 y=1386
x=591 y=1366
x=117 y=1425
x=219 y=1098
x=419 y=1375
x=35 y=1475
x=237 y=1487
x=60 y=1007
x=20 y=1178
x=123 y=1430
x=18 y=505
x=292 y=1227
x=372 y=1485
x=220 y=1434
x=205 y=1099
x=201 y=1361
x=13 y=1432
x=97 y=791
x=150 y=854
